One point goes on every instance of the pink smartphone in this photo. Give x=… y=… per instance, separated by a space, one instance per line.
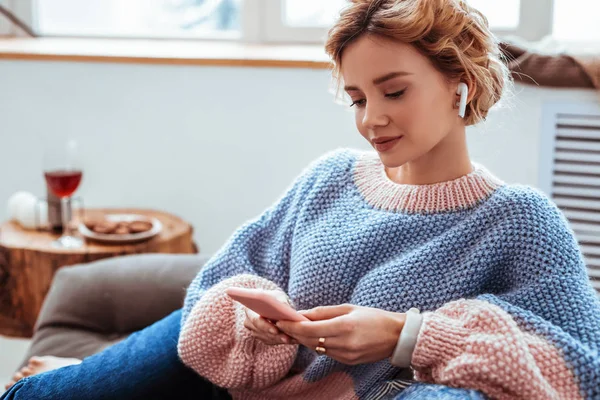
x=265 y=304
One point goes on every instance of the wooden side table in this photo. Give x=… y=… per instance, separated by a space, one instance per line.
x=28 y=263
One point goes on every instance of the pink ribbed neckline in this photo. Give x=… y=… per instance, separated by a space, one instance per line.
x=381 y=192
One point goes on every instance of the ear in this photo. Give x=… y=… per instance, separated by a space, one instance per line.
x=472 y=87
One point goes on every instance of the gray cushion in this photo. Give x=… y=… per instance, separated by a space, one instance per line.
x=92 y=306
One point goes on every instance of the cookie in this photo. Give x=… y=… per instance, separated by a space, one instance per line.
x=122 y=230
x=140 y=226
x=105 y=227
x=91 y=223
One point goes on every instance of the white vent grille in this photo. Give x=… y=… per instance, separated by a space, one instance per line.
x=575 y=180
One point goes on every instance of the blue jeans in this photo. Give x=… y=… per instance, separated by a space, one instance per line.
x=427 y=391
x=143 y=366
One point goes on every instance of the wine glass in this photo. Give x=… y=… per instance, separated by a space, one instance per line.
x=63 y=174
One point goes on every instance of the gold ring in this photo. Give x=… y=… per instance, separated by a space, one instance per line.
x=321 y=347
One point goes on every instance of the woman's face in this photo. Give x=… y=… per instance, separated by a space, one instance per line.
x=396 y=92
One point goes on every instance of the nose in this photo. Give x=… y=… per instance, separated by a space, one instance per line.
x=374 y=116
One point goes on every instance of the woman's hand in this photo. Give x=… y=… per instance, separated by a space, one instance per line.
x=353 y=334
x=263 y=329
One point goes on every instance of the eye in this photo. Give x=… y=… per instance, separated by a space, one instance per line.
x=396 y=94
x=358 y=103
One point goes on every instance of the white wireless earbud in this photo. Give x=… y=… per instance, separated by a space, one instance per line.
x=463 y=90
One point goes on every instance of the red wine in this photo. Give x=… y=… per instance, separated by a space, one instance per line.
x=63 y=183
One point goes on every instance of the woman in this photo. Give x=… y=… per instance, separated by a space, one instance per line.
x=364 y=240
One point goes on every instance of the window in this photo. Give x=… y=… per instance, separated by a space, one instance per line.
x=577 y=20
x=311 y=13
x=278 y=20
x=140 y=18
x=500 y=14
x=304 y=13
x=306 y=20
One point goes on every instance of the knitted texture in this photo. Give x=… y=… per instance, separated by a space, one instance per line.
x=383 y=193
x=215 y=343
x=471 y=343
x=485 y=261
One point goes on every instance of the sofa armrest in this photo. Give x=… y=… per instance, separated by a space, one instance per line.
x=93 y=305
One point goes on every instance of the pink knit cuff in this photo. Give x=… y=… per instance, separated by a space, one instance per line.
x=215 y=343
x=476 y=345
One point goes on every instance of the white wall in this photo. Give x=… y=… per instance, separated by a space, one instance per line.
x=213 y=145
x=4 y=23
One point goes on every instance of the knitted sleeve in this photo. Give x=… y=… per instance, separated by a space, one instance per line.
x=539 y=338
x=257 y=255
x=215 y=343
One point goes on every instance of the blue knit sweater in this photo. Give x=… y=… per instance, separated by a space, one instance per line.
x=509 y=310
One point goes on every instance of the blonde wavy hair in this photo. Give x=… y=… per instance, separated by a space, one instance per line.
x=454 y=36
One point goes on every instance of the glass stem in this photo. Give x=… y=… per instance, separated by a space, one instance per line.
x=65 y=215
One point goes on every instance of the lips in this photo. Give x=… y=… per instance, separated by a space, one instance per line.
x=386 y=145
x=385 y=139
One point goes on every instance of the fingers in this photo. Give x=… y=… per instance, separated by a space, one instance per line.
x=331 y=343
x=259 y=323
x=264 y=325
x=337 y=326
x=264 y=330
x=327 y=312
x=272 y=340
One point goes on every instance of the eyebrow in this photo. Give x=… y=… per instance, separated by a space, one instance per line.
x=381 y=79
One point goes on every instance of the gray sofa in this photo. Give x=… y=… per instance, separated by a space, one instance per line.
x=92 y=306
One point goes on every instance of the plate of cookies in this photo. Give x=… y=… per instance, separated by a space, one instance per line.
x=120 y=228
